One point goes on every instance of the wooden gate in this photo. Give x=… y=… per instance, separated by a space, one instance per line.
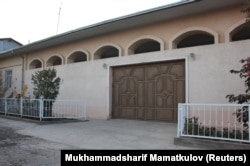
x=148 y=91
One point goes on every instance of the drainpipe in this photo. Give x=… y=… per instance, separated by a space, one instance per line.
x=187 y=78
x=22 y=81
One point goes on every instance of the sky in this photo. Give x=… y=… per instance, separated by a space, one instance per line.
x=27 y=21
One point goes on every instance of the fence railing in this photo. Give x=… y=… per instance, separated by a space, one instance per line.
x=214 y=121
x=43 y=108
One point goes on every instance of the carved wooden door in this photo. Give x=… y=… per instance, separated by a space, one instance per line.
x=149 y=91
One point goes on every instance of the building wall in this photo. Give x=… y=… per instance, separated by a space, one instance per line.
x=208 y=79
x=207 y=74
x=14 y=64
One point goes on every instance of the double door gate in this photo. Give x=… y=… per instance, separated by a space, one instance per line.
x=148 y=91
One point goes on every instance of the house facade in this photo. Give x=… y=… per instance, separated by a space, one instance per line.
x=142 y=65
x=7 y=44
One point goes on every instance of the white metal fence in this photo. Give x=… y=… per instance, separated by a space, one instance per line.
x=43 y=108
x=214 y=121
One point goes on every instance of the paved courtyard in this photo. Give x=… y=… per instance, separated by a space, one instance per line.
x=27 y=142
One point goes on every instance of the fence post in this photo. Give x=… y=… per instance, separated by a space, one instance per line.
x=179 y=114
x=41 y=108
x=5 y=106
x=84 y=109
x=21 y=106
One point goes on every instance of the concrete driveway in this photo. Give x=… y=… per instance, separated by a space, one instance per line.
x=101 y=134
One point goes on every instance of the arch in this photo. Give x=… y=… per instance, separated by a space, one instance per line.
x=145 y=44
x=77 y=56
x=107 y=51
x=194 y=36
x=54 y=60
x=36 y=63
x=239 y=31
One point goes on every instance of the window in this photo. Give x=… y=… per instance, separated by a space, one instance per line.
x=194 y=36
x=145 y=45
x=35 y=64
x=54 y=61
x=77 y=57
x=196 y=40
x=108 y=51
x=150 y=46
x=240 y=33
x=8 y=79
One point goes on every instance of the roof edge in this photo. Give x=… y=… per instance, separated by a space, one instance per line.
x=73 y=35
x=182 y=2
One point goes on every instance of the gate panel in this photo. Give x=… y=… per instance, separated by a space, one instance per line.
x=149 y=91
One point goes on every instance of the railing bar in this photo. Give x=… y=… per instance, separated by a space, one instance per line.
x=221 y=105
x=193 y=120
x=216 y=123
x=178 y=120
x=210 y=132
x=6 y=106
x=235 y=122
x=218 y=138
x=198 y=122
x=222 y=125
x=228 y=123
x=242 y=126
x=187 y=119
x=75 y=109
x=204 y=122
x=249 y=123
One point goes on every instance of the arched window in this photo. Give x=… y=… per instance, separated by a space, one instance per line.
x=109 y=53
x=77 y=56
x=149 y=46
x=144 y=46
x=35 y=64
x=194 y=38
x=106 y=52
x=242 y=32
x=54 y=61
